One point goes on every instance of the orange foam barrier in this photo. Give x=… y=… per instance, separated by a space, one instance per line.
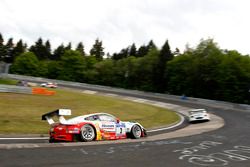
x=42 y=91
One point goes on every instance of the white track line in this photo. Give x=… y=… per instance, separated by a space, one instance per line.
x=178 y=124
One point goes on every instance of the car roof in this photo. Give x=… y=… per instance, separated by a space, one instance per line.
x=82 y=117
x=101 y=113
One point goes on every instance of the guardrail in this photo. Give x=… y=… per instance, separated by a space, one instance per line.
x=205 y=102
x=15 y=89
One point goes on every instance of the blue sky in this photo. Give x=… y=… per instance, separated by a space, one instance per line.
x=119 y=23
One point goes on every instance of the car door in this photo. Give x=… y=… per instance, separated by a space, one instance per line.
x=111 y=124
x=120 y=129
x=107 y=123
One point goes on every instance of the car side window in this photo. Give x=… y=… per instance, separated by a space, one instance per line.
x=92 y=118
x=107 y=118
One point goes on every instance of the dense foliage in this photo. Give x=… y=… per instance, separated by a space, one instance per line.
x=205 y=71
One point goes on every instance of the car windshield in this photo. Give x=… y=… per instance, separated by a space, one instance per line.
x=196 y=112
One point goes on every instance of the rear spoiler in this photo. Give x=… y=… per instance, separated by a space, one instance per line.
x=59 y=113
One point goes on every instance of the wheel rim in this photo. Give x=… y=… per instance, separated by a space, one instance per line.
x=137 y=131
x=88 y=132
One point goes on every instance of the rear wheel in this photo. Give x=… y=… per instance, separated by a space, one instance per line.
x=136 y=132
x=88 y=133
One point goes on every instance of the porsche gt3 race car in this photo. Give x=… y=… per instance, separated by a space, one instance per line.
x=97 y=126
x=198 y=115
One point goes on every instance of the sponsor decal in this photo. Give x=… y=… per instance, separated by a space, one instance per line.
x=108 y=126
x=120 y=125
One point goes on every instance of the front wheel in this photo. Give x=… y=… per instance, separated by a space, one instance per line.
x=88 y=133
x=136 y=132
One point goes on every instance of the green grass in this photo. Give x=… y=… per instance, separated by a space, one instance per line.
x=8 y=81
x=21 y=113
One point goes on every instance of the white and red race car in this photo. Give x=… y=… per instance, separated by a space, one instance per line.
x=49 y=85
x=97 y=126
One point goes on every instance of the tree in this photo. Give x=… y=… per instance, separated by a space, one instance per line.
x=68 y=47
x=151 y=45
x=211 y=73
x=234 y=78
x=116 y=56
x=26 y=64
x=140 y=71
x=108 y=56
x=48 y=49
x=72 y=66
x=54 y=69
x=132 y=50
x=90 y=61
x=18 y=50
x=80 y=48
x=124 y=53
x=9 y=51
x=40 y=50
x=142 y=51
x=206 y=58
x=105 y=72
x=160 y=77
x=2 y=48
x=58 y=52
x=97 y=50
x=179 y=72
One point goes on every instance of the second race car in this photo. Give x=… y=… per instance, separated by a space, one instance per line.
x=198 y=115
x=97 y=126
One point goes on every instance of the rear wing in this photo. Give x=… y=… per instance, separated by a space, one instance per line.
x=60 y=113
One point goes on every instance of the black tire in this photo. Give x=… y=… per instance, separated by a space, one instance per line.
x=88 y=133
x=145 y=133
x=51 y=140
x=136 y=132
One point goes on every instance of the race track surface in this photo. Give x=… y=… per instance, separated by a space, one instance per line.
x=229 y=145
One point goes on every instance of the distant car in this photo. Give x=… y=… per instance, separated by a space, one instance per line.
x=97 y=126
x=198 y=115
x=49 y=85
x=22 y=83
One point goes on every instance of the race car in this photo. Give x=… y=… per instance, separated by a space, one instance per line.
x=198 y=115
x=97 y=126
x=49 y=85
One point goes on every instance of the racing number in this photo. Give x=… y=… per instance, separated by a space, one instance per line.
x=120 y=130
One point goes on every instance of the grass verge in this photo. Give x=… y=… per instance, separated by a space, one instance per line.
x=21 y=113
x=8 y=81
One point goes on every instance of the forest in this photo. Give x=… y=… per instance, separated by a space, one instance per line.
x=204 y=71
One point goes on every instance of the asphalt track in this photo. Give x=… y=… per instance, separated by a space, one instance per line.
x=229 y=145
